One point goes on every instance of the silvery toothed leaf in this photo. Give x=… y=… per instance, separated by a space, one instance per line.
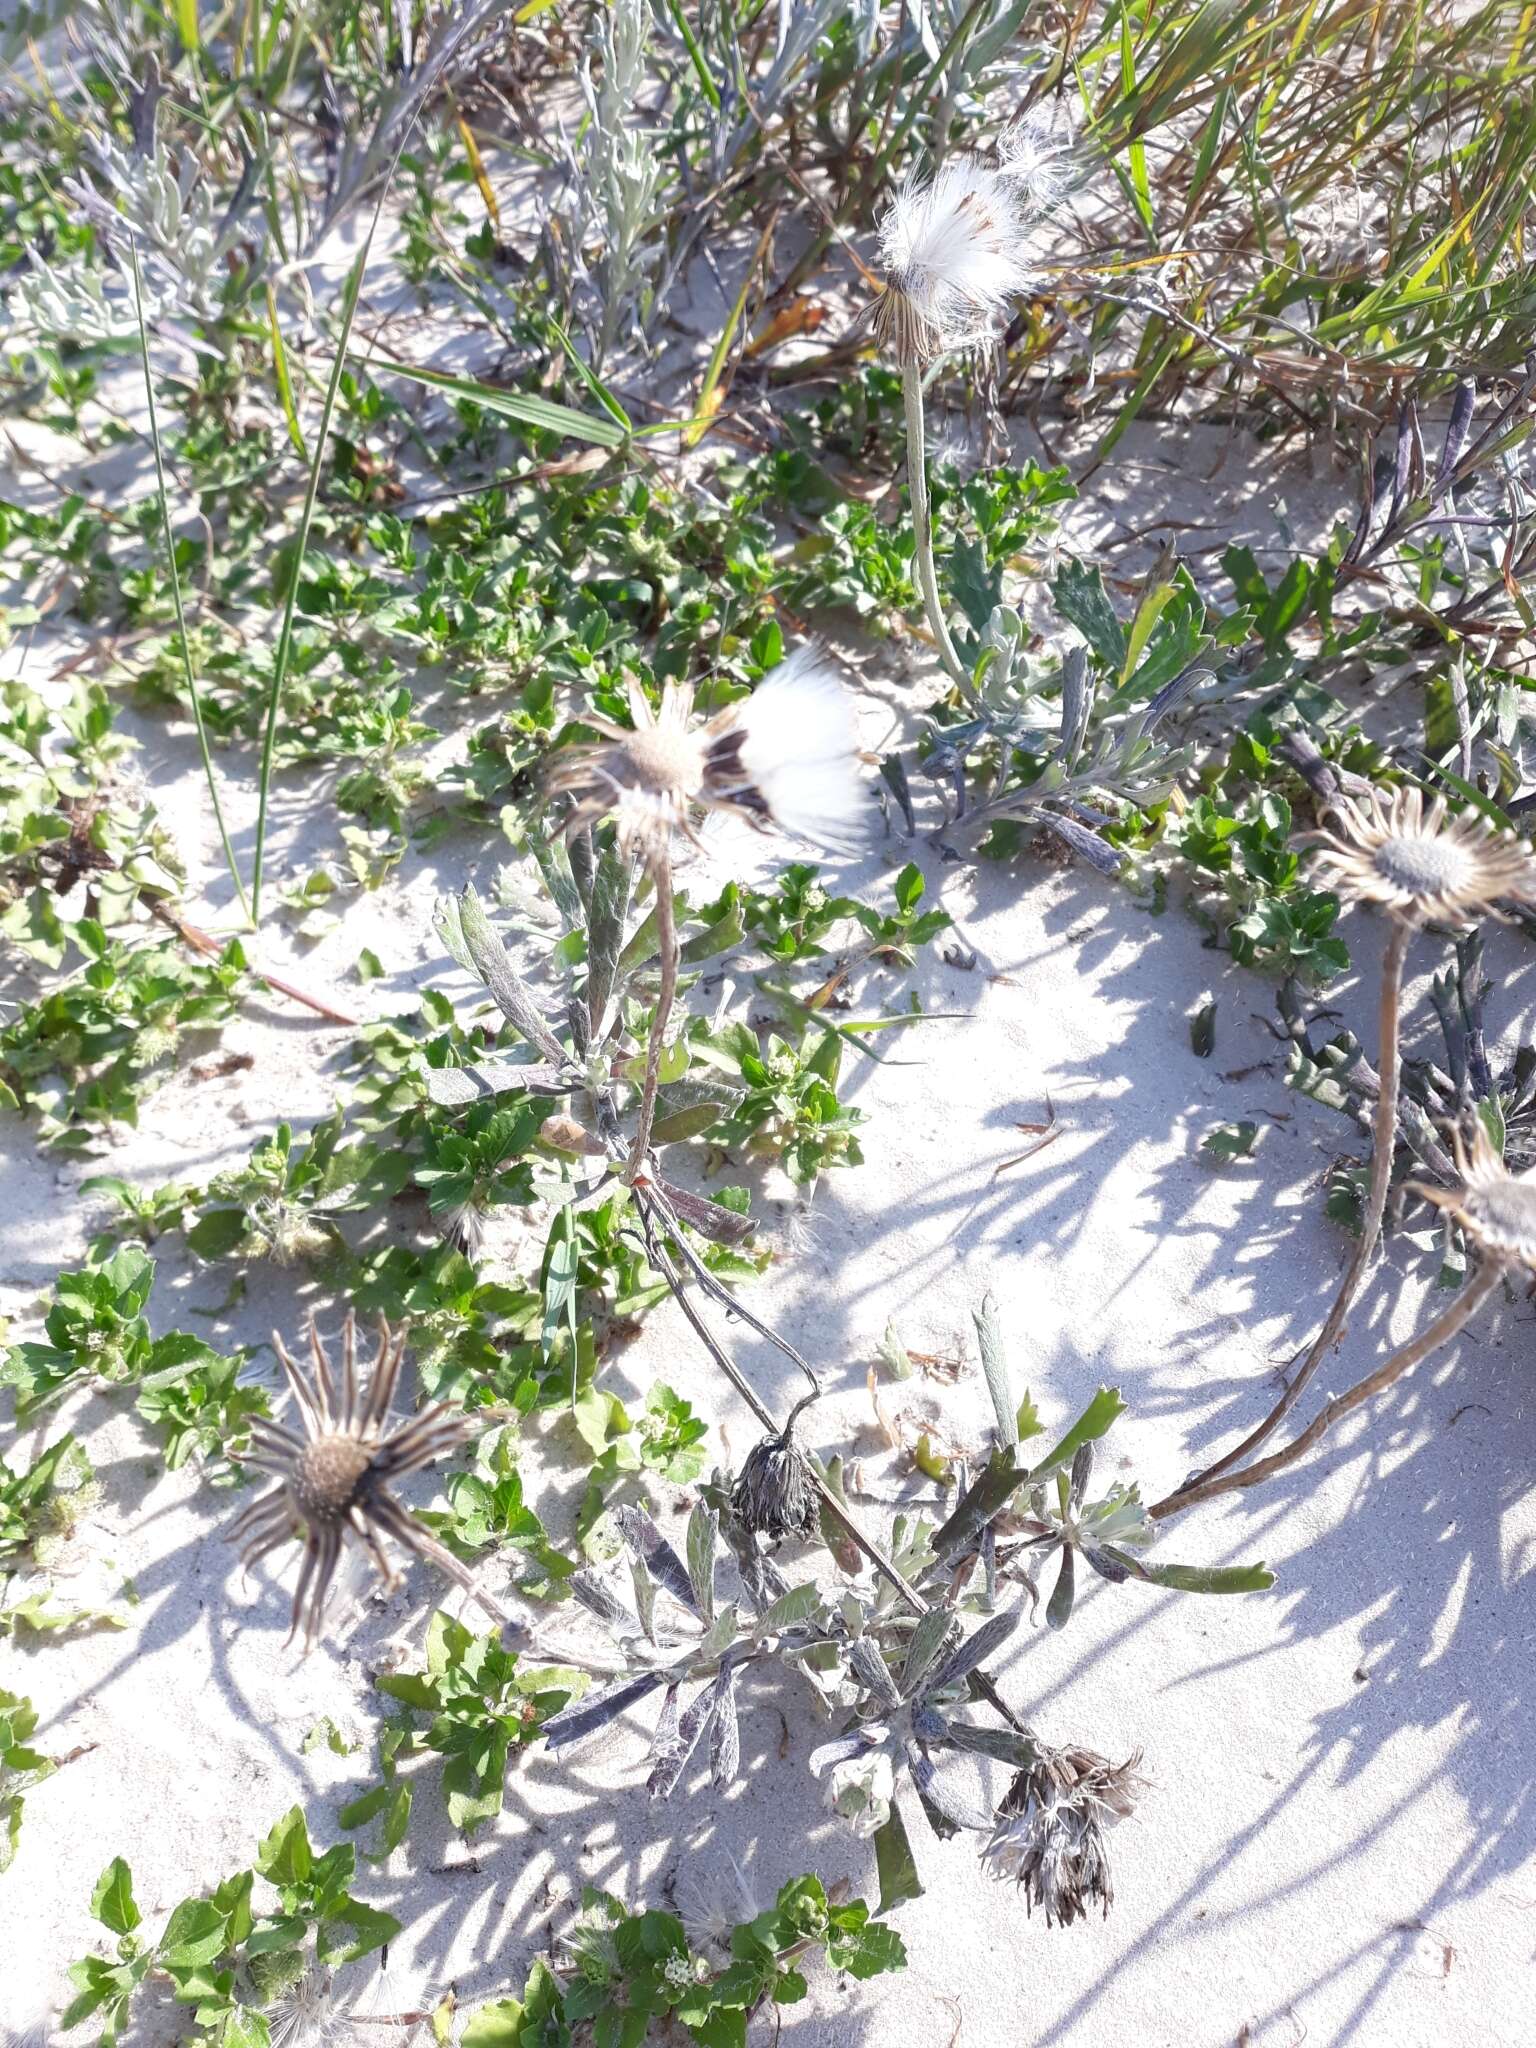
x=574 y=1724
x=653 y=1550
x=725 y=1733
x=974 y=1651
x=795 y=1606
x=672 y=1761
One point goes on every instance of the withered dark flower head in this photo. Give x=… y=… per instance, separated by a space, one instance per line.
x=775 y=1491
x=1051 y=1826
x=333 y=1479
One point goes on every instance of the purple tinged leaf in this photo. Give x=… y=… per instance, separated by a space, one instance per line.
x=671 y=1763
x=575 y=1724
x=653 y=1550
x=974 y=1651
x=1059 y=1612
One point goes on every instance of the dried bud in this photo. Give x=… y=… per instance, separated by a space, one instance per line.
x=775 y=1492
x=1050 y=1830
x=566 y=1135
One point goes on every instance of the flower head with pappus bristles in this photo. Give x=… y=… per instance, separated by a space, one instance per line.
x=1418 y=863
x=333 y=1477
x=1496 y=1208
x=1050 y=1830
x=782 y=758
x=954 y=252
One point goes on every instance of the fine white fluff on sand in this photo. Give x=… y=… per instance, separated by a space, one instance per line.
x=1336 y=1841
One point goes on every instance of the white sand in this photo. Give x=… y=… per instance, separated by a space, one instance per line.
x=1336 y=1845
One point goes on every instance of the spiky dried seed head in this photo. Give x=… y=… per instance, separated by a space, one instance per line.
x=1417 y=862
x=1496 y=1208
x=1050 y=1831
x=333 y=1478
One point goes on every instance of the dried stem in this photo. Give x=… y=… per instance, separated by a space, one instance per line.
x=1384 y=1146
x=922 y=521
x=666 y=936
x=1411 y=1354
x=201 y=942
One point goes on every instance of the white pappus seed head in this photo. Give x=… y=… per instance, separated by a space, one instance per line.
x=799 y=750
x=954 y=251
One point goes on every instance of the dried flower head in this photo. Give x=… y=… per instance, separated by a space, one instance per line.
x=1051 y=1826
x=775 y=1491
x=1496 y=1208
x=953 y=247
x=334 y=1478
x=1418 y=863
x=783 y=757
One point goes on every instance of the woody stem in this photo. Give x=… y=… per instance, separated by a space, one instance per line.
x=666 y=939
x=1440 y=1331
x=922 y=522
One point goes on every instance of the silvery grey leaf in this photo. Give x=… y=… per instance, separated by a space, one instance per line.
x=724 y=1630
x=611 y=884
x=453 y=1087
x=994 y=1366
x=1082 y=1472
x=466 y=932
x=1463 y=405
x=1107 y=859
x=799 y=1604
x=703 y=1528
x=645 y=1597
x=725 y=1733
x=951 y=1805
x=975 y=1650
x=669 y=1767
x=871 y=1670
x=661 y=1561
x=599 y=1598
x=1076 y=701
x=721 y=1225
x=926 y=1641
x=555 y=866
x=1003 y=1745
x=574 y=1724
x=664 y=1740
x=991 y=1493
x=841 y=1750
x=1058 y=1609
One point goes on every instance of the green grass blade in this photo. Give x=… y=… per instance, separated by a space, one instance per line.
x=522 y=406
x=285 y=636
x=181 y=622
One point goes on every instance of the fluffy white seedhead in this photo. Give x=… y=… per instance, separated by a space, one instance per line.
x=954 y=250
x=1035 y=154
x=799 y=750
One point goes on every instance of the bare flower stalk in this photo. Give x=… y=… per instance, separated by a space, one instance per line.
x=1440 y=1331
x=1384 y=1146
x=666 y=939
x=922 y=522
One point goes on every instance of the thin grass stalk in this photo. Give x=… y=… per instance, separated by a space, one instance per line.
x=1440 y=1331
x=922 y=521
x=666 y=939
x=181 y=622
x=312 y=492
x=1383 y=1148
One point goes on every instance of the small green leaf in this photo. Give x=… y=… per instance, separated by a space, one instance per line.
x=112 y=1901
